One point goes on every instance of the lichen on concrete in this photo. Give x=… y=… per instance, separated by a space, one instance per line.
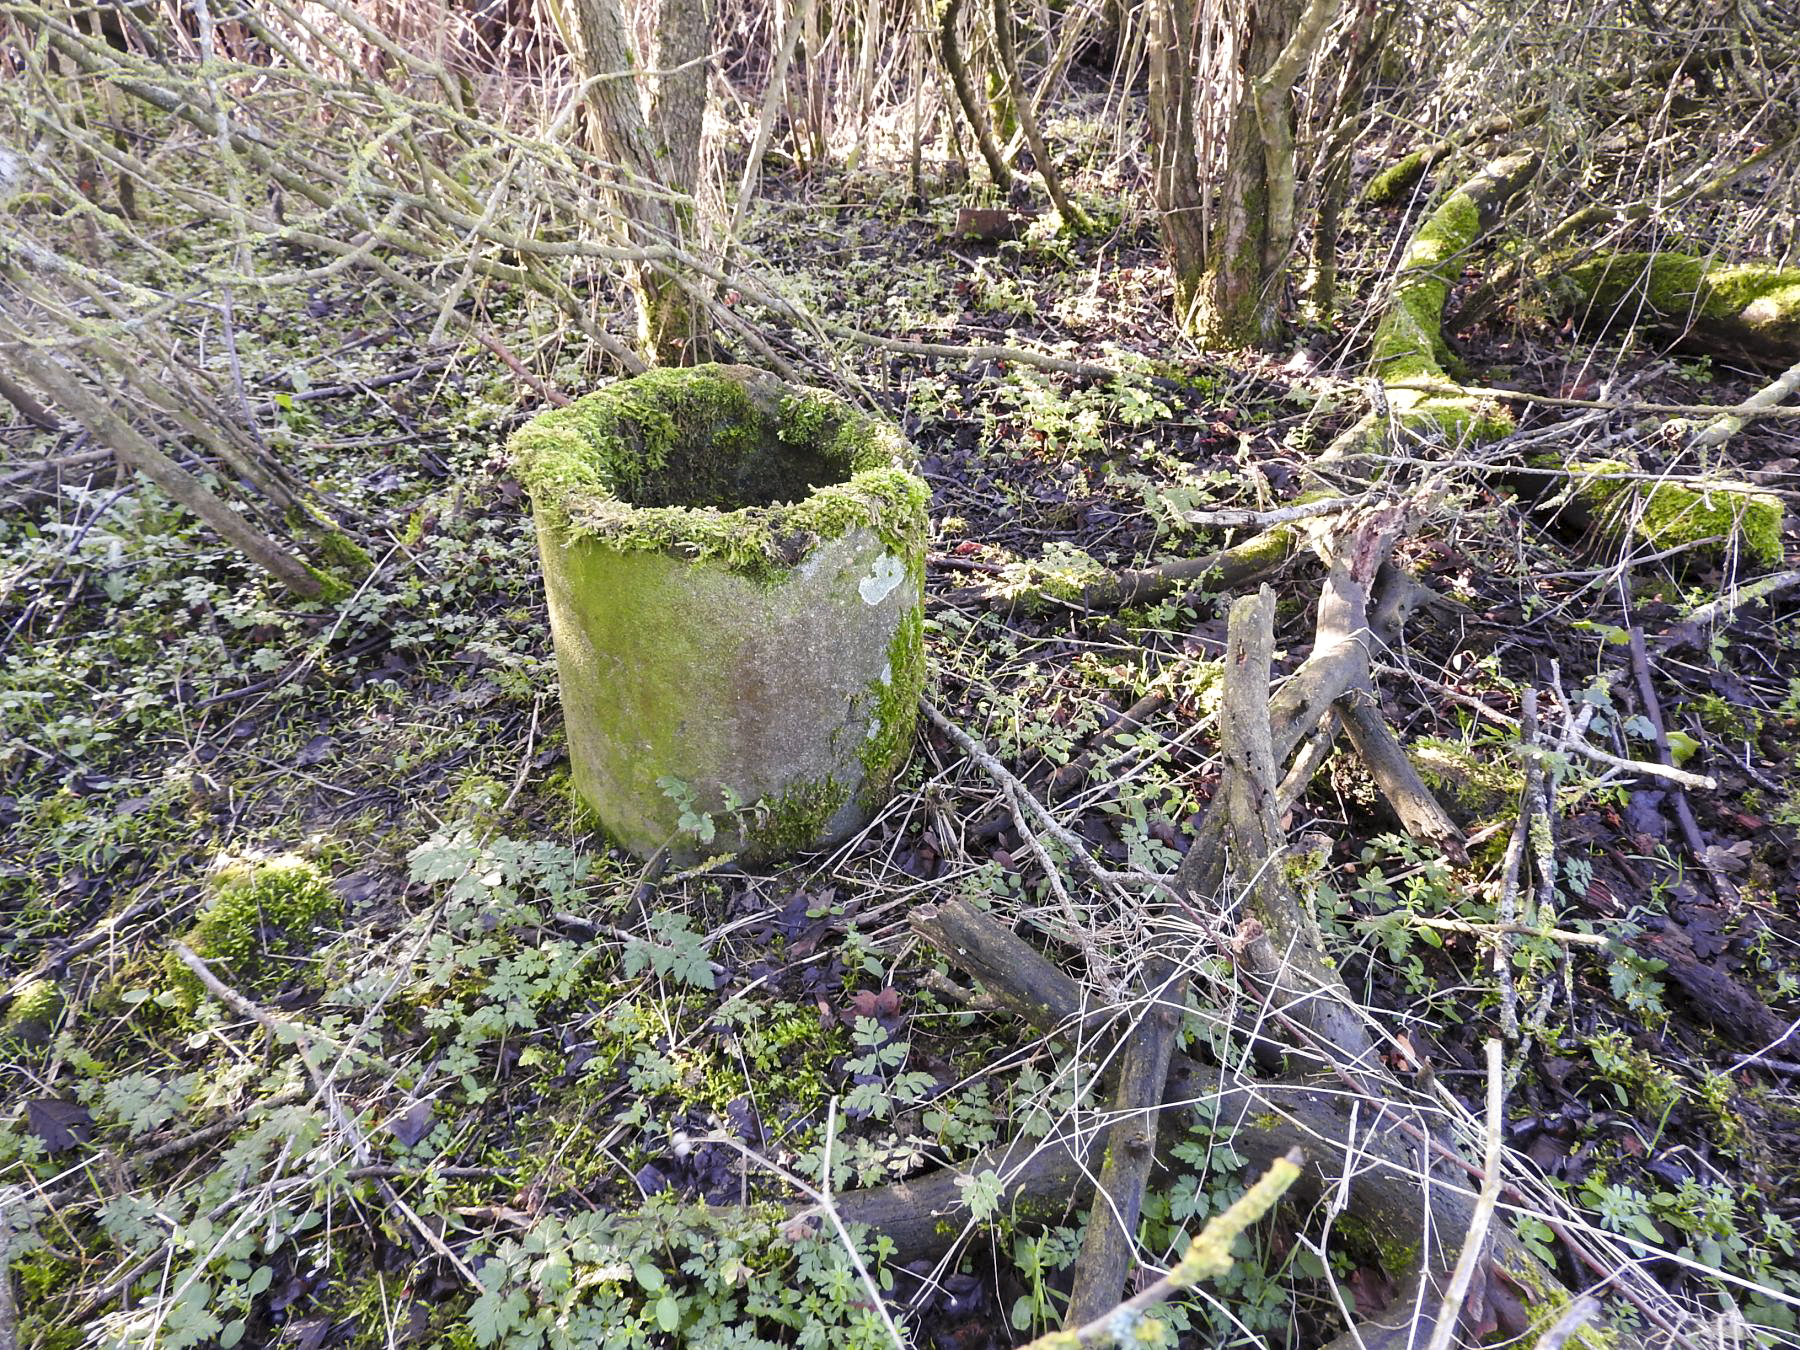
x=735 y=571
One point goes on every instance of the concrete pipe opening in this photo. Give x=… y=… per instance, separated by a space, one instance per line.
x=734 y=568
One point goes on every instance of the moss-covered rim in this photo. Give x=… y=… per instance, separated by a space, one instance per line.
x=595 y=469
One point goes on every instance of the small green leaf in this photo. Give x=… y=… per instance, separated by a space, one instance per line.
x=668 y=1312
x=649 y=1277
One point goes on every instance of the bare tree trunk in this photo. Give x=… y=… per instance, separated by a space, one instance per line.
x=1072 y=215
x=1230 y=263
x=672 y=327
x=678 y=105
x=1175 y=166
x=971 y=103
x=1358 y=54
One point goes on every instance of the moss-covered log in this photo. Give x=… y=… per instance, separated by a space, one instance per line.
x=1394 y=184
x=1736 y=517
x=1409 y=353
x=1746 y=310
x=1076 y=580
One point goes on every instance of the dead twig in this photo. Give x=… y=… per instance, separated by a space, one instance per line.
x=1110 y=1242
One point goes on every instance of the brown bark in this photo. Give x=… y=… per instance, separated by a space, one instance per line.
x=26 y=402
x=968 y=99
x=1229 y=262
x=1110 y=1242
x=1175 y=170
x=1283 y=950
x=672 y=326
x=1389 y=1144
x=678 y=102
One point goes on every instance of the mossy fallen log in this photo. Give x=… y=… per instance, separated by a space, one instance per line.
x=1748 y=310
x=1409 y=353
x=1669 y=513
x=1074 y=579
x=1392 y=185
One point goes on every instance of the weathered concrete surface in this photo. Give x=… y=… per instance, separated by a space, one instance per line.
x=778 y=702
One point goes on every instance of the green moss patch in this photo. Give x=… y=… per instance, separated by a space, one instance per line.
x=1667 y=514
x=1475 y=788
x=33 y=1014
x=264 y=915
x=718 y=462
x=1392 y=184
x=895 y=698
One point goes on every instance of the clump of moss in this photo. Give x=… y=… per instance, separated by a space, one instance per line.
x=1728 y=719
x=896 y=705
x=796 y=819
x=1409 y=342
x=32 y=1016
x=1667 y=515
x=263 y=915
x=1475 y=788
x=719 y=462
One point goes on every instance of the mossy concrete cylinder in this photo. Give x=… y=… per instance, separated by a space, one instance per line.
x=734 y=568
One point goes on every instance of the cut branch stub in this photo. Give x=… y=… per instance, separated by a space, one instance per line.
x=734 y=571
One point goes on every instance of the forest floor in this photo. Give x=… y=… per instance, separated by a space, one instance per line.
x=543 y=1048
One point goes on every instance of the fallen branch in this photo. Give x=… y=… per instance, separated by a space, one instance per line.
x=1684 y=812
x=1574 y=744
x=1763 y=403
x=1691 y=630
x=1283 y=949
x=1023 y=588
x=1110 y=1242
x=1208 y=1256
x=1070 y=776
x=282 y=1031
x=1016 y=789
x=1382 y=1189
x=1475 y=1244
